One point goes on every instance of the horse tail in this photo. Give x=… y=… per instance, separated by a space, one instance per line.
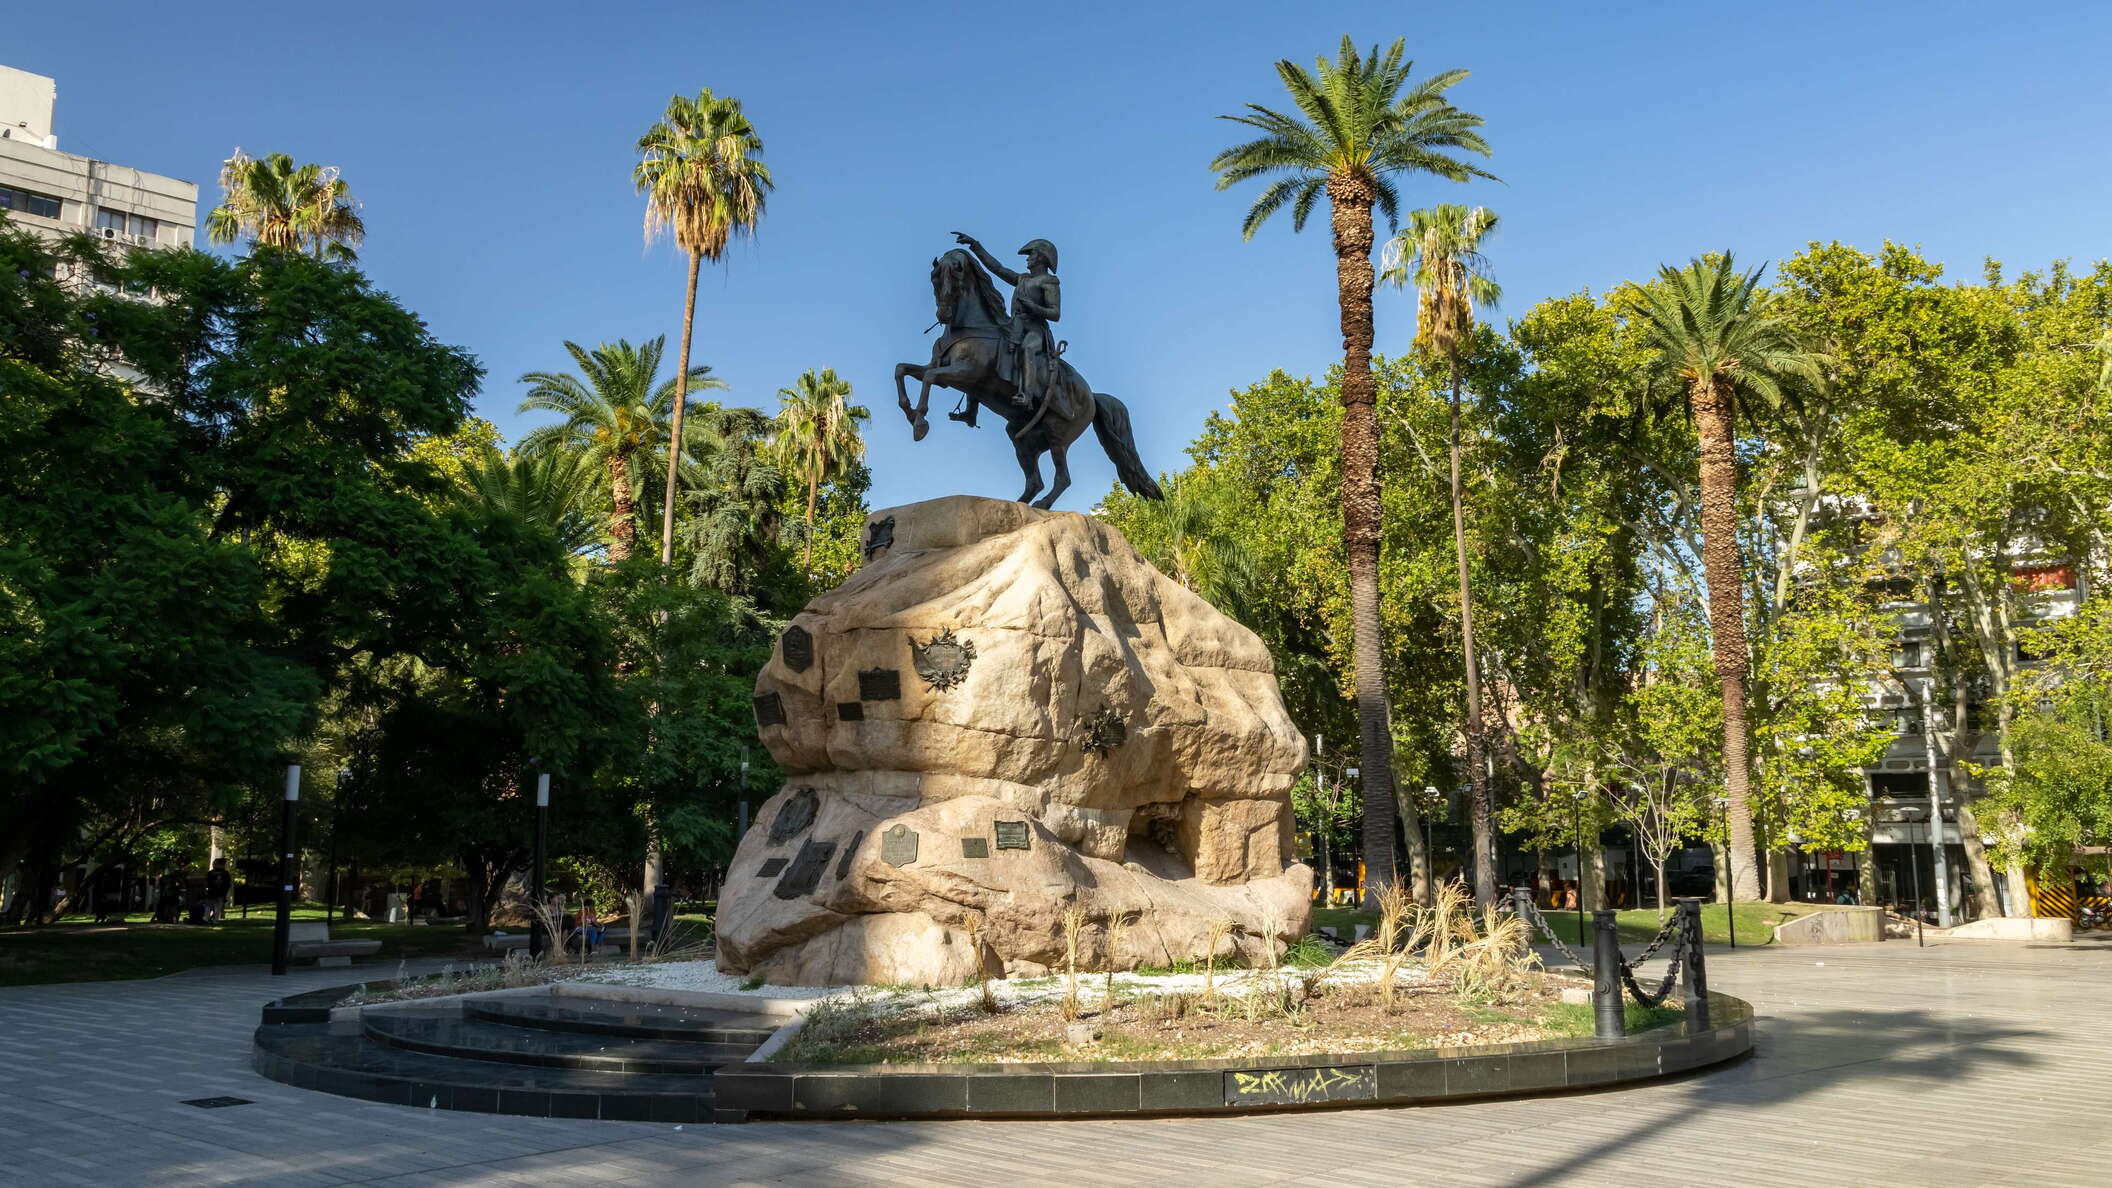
x=1111 y=426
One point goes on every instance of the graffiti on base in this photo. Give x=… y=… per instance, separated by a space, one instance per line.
x=1299 y=1086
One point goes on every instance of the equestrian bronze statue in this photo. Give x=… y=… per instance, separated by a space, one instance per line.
x=1011 y=364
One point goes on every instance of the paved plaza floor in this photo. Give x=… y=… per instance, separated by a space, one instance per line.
x=1961 y=1063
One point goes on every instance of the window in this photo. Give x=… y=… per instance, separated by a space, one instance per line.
x=41 y=205
x=118 y=222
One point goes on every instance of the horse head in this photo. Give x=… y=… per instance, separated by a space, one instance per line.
x=946 y=284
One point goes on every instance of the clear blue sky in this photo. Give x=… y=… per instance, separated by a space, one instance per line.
x=492 y=147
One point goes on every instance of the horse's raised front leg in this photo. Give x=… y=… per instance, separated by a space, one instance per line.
x=918 y=425
x=1061 y=480
x=1029 y=465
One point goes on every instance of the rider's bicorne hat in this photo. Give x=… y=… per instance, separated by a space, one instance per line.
x=1039 y=245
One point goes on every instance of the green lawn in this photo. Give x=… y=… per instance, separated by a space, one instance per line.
x=1756 y=922
x=79 y=951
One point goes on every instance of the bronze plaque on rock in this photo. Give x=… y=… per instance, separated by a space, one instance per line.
x=880 y=684
x=798 y=648
x=806 y=870
x=1014 y=835
x=769 y=710
x=770 y=868
x=975 y=847
x=898 y=846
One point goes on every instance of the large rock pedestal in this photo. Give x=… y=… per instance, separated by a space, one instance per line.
x=1005 y=714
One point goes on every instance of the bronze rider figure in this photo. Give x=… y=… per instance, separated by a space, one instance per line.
x=1037 y=300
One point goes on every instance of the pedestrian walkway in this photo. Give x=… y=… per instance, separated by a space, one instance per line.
x=1960 y=1063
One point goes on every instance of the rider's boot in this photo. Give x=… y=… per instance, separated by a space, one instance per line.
x=967 y=418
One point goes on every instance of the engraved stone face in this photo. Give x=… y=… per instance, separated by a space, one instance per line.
x=1103 y=732
x=793 y=816
x=850 y=711
x=975 y=847
x=898 y=846
x=843 y=864
x=797 y=646
x=942 y=660
x=879 y=684
x=1013 y=835
x=769 y=710
x=806 y=870
x=879 y=536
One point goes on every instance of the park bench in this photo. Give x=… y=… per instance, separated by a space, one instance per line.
x=311 y=939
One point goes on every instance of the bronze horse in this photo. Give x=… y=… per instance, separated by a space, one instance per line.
x=966 y=359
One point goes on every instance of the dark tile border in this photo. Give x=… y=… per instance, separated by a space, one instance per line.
x=1074 y=1089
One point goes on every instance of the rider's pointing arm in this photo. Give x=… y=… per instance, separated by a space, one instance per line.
x=990 y=262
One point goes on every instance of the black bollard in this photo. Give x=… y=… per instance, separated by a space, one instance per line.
x=1608 y=1014
x=663 y=914
x=1694 y=977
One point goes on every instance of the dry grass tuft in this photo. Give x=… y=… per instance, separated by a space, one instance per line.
x=1073 y=928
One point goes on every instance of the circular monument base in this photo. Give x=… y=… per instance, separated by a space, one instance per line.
x=541 y=1054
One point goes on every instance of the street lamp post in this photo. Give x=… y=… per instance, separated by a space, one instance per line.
x=337 y=812
x=1576 y=818
x=537 y=940
x=1730 y=873
x=289 y=871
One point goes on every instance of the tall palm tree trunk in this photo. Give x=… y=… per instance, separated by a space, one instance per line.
x=813 y=489
x=1477 y=756
x=623 y=524
x=674 y=429
x=654 y=873
x=1719 y=558
x=1349 y=202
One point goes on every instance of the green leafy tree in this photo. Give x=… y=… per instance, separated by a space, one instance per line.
x=1719 y=338
x=617 y=414
x=1672 y=719
x=280 y=204
x=817 y=437
x=2057 y=787
x=1439 y=252
x=704 y=182
x=1358 y=124
x=734 y=490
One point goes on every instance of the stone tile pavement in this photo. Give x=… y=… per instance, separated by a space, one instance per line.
x=1961 y=1063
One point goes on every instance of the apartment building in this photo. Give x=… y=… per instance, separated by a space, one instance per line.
x=1917 y=852
x=54 y=192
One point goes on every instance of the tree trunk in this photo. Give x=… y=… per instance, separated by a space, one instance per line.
x=1660 y=865
x=674 y=429
x=1420 y=875
x=623 y=522
x=1591 y=874
x=813 y=488
x=1778 y=876
x=1720 y=566
x=1349 y=201
x=1482 y=813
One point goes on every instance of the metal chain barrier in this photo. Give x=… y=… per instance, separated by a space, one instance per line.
x=1540 y=922
x=1664 y=988
x=1664 y=934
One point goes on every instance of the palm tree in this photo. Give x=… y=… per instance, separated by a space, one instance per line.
x=1358 y=124
x=1440 y=253
x=1719 y=337
x=616 y=414
x=548 y=491
x=703 y=183
x=283 y=205
x=817 y=436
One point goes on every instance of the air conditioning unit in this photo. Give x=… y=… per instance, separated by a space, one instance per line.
x=109 y=232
